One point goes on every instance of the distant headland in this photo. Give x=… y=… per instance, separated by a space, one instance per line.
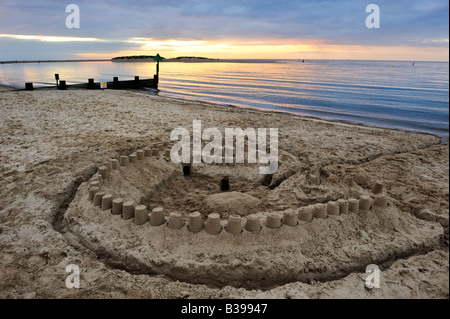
x=149 y=58
x=185 y=59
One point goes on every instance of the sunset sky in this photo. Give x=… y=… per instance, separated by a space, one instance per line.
x=284 y=29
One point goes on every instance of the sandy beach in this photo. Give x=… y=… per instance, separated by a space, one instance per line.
x=53 y=142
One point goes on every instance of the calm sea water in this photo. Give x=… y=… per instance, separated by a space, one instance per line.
x=376 y=93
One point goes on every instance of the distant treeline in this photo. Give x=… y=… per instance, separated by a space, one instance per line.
x=148 y=57
x=192 y=57
x=134 y=57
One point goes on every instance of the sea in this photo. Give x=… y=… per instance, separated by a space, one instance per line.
x=405 y=95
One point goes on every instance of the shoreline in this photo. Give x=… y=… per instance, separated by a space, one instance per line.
x=148 y=60
x=305 y=117
x=52 y=61
x=208 y=60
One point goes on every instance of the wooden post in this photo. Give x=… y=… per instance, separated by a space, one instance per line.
x=29 y=86
x=157 y=75
x=157 y=58
x=115 y=82
x=62 y=85
x=155 y=81
x=157 y=69
x=91 y=84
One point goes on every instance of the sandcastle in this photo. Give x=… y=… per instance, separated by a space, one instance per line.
x=220 y=231
x=140 y=214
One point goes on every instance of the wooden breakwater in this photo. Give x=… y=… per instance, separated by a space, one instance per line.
x=115 y=84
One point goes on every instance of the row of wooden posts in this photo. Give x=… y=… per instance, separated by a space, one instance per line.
x=115 y=84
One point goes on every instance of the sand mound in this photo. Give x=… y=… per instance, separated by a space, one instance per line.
x=321 y=249
x=232 y=203
x=326 y=247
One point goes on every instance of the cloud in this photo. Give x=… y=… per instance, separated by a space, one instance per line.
x=46 y=38
x=403 y=22
x=14 y=49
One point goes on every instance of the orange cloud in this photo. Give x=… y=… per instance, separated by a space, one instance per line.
x=93 y=55
x=255 y=49
x=285 y=49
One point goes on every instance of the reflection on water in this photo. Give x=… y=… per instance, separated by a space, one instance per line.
x=369 y=92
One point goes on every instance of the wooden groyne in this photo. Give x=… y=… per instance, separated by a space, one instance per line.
x=115 y=84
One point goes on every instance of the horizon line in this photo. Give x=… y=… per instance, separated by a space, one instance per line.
x=215 y=59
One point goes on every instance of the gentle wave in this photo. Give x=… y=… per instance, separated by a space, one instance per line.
x=374 y=93
x=408 y=100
